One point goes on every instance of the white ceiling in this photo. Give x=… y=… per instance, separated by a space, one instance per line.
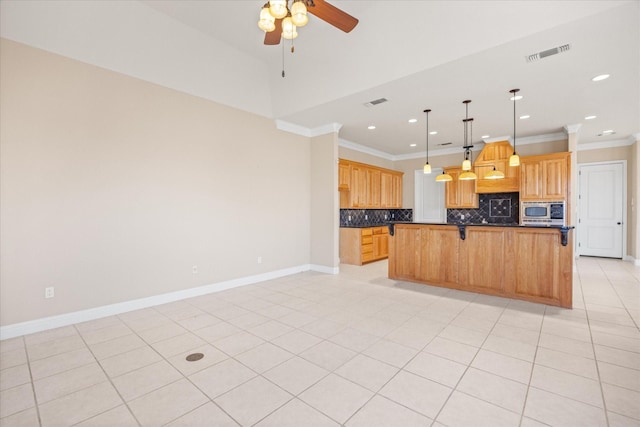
x=417 y=54
x=438 y=54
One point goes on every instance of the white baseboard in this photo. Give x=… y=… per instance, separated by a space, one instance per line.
x=324 y=269
x=43 y=324
x=634 y=261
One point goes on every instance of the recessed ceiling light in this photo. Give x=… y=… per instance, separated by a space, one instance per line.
x=433 y=132
x=600 y=77
x=412 y=145
x=413 y=120
x=590 y=117
x=371 y=127
x=485 y=136
x=526 y=116
x=516 y=98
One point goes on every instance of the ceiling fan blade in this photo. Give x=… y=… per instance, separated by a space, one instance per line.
x=334 y=16
x=273 y=37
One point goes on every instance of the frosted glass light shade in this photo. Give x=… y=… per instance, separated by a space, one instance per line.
x=514 y=160
x=466 y=165
x=427 y=168
x=278 y=8
x=444 y=177
x=467 y=176
x=288 y=29
x=299 y=14
x=267 y=21
x=494 y=174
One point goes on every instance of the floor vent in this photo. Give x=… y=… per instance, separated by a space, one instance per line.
x=375 y=102
x=549 y=52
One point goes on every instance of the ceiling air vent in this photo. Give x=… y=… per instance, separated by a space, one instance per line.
x=375 y=102
x=549 y=52
x=446 y=143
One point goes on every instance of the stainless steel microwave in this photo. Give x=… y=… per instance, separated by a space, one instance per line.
x=542 y=213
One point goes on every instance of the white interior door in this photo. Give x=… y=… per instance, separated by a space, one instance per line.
x=601 y=195
x=429 y=198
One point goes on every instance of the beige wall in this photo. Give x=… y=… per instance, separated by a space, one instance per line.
x=325 y=204
x=113 y=188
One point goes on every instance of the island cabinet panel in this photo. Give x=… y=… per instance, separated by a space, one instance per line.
x=405 y=250
x=439 y=254
x=483 y=257
x=528 y=263
x=537 y=265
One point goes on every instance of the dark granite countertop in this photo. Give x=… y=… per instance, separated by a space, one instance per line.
x=468 y=224
x=369 y=225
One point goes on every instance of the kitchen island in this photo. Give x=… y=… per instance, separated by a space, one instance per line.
x=522 y=262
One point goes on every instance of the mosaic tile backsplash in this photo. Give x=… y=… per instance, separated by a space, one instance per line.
x=498 y=208
x=373 y=217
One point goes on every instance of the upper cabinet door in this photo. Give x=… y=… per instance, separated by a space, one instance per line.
x=545 y=177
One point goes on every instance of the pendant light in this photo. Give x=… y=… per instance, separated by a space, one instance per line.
x=514 y=160
x=466 y=164
x=427 y=166
x=494 y=174
x=444 y=177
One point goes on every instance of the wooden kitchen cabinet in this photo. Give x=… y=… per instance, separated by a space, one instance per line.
x=496 y=154
x=460 y=194
x=358 y=188
x=368 y=187
x=344 y=176
x=545 y=177
x=373 y=188
x=361 y=245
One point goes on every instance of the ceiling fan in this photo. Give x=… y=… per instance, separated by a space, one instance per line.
x=278 y=20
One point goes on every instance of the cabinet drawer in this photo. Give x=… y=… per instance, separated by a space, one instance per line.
x=367 y=240
x=366 y=249
x=367 y=257
x=381 y=230
x=366 y=232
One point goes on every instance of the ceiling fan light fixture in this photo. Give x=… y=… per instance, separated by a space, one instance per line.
x=299 y=15
x=288 y=29
x=267 y=22
x=278 y=8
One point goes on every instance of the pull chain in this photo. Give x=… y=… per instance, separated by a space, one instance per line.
x=283 y=60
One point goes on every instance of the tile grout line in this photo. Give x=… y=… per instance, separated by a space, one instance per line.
x=109 y=379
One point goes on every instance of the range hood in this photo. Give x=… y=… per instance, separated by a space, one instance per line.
x=496 y=154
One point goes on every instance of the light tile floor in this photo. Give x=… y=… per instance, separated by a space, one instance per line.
x=354 y=349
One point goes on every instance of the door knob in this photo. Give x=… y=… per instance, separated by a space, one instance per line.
x=619 y=223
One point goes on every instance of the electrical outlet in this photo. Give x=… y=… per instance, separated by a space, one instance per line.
x=259 y=260
x=194 y=269
x=385 y=216
x=48 y=292
x=366 y=217
x=461 y=216
x=349 y=218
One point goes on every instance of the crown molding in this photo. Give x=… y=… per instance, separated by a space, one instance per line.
x=634 y=137
x=498 y=139
x=569 y=129
x=307 y=132
x=607 y=144
x=364 y=149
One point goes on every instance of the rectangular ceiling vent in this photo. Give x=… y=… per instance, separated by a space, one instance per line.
x=375 y=102
x=549 y=52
